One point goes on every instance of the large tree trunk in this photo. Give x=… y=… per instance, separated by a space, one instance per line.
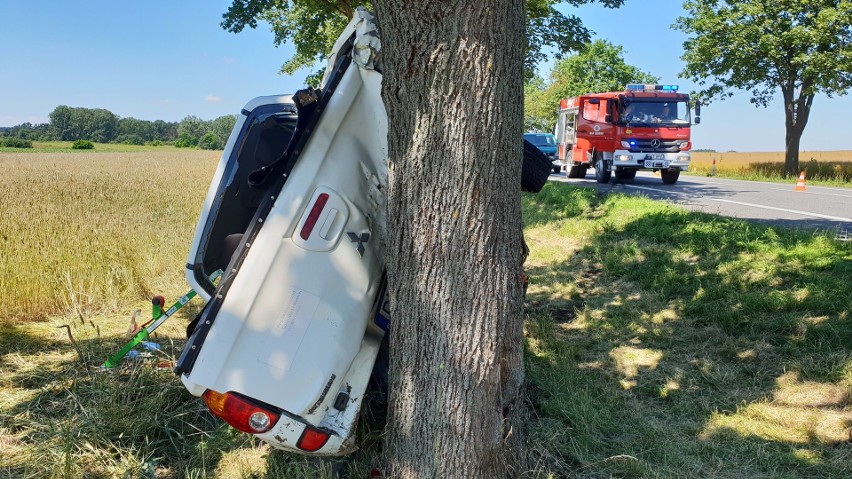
x=453 y=90
x=797 y=111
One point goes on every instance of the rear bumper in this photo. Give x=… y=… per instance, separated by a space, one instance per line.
x=341 y=423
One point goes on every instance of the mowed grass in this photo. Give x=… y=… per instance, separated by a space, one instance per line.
x=822 y=167
x=664 y=343
x=660 y=343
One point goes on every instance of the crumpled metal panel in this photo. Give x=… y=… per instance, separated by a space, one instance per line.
x=367 y=43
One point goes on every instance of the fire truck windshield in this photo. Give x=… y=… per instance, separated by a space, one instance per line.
x=636 y=112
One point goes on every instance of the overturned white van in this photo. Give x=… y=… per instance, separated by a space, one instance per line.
x=294 y=218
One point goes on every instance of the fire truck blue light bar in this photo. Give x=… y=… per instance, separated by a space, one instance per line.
x=641 y=87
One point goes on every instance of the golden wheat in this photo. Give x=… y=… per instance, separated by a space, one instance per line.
x=817 y=165
x=88 y=231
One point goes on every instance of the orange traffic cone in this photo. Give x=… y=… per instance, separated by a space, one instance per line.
x=800 y=185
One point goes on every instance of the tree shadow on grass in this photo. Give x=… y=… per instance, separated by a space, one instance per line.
x=687 y=323
x=136 y=420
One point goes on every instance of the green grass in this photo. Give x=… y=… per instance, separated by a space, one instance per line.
x=660 y=343
x=663 y=343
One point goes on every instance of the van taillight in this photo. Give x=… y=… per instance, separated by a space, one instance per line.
x=239 y=412
x=312 y=439
x=313 y=216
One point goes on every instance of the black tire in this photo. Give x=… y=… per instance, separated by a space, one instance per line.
x=669 y=176
x=535 y=169
x=601 y=173
x=625 y=173
x=575 y=171
x=557 y=170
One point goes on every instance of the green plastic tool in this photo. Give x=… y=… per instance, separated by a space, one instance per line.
x=158 y=317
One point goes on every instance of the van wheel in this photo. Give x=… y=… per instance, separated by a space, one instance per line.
x=535 y=169
x=669 y=176
x=601 y=173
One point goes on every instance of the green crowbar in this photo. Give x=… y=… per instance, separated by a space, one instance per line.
x=158 y=318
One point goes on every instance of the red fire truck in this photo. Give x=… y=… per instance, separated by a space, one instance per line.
x=644 y=127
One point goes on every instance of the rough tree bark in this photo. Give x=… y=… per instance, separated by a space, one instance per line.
x=453 y=89
x=797 y=110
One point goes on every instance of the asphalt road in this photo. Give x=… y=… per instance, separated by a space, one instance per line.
x=819 y=207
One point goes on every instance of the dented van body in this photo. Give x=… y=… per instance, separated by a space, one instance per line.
x=294 y=220
x=286 y=344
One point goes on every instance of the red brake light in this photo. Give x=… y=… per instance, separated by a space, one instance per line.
x=312 y=439
x=240 y=413
x=313 y=216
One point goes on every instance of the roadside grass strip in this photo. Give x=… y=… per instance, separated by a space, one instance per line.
x=663 y=343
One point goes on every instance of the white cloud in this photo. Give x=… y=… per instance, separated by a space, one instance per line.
x=213 y=99
x=229 y=60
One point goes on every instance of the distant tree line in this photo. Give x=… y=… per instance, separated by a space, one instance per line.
x=102 y=126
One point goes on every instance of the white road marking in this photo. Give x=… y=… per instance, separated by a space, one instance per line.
x=798 y=212
x=814 y=192
x=712 y=180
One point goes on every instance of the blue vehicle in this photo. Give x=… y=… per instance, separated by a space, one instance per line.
x=545 y=142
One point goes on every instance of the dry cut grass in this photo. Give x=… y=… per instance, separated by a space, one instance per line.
x=86 y=231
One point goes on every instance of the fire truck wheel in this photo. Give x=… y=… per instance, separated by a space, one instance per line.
x=669 y=176
x=625 y=173
x=602 y=174
x=535 y=169
x=575 y=171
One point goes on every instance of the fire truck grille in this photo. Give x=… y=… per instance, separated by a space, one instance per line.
x=656 y=146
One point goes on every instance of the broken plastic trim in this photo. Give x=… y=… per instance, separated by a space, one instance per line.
x=190 y=352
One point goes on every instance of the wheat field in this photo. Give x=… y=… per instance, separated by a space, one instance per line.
x=85 y=232
x=830 y=166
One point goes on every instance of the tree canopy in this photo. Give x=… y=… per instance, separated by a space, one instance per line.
x=598 y=67
x=313 y=26
x=800 y=47
x=102 y=126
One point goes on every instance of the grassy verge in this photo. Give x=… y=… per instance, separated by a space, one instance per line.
x=660 y=343
x=663 y=343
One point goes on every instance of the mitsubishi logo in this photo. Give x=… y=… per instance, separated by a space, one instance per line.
x=655 y=143
x=361 y=240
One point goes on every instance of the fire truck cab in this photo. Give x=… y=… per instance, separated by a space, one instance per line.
x=644 y=127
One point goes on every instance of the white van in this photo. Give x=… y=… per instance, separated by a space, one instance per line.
x=294 y=218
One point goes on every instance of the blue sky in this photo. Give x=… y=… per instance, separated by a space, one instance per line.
x=168 y=59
